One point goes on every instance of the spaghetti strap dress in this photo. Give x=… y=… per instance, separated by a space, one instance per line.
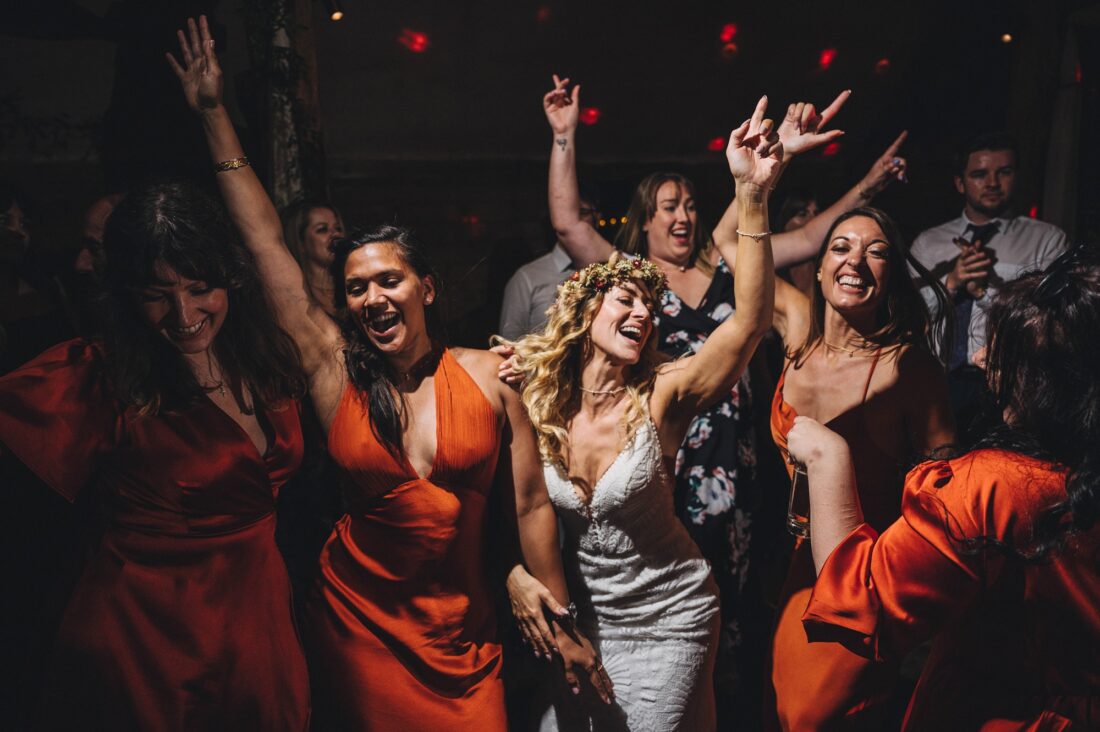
x=824 y=685
x=401 y=629
x=181 y=619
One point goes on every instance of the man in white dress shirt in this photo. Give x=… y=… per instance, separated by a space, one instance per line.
x=978 y=252
x=532 y=289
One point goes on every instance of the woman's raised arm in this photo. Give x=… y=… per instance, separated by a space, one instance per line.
x=248 y=203
x=688 y=386
x=584 y=244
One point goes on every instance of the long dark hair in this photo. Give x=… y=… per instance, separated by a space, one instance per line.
x=903 y=317
x=643 y=205
x=1044 y=364
x=368 y=369
x=189 y=230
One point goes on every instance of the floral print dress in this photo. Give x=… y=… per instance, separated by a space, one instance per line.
x=716 y=464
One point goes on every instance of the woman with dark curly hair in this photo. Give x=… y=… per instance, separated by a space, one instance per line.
x=181 y=425
x=995 y=554
x=401 y=628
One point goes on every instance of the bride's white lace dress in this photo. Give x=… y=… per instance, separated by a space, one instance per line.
x=644 y=597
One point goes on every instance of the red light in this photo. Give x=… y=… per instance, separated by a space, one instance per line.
x=1034 y=212
x=729 y=50
x=825 y=60
x=882 y=66
x=590 y=115
x=415 y=41
x=1077 y=73
x=831 y=149
x=716 y=144
x=543 y=13
x=729 y=30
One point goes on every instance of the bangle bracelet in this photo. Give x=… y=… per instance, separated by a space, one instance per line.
x=231 y=164
x=754 y=237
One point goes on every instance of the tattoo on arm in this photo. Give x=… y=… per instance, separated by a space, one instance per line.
x=561 y=143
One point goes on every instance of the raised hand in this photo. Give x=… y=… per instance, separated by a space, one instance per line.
x=199 y=75
x=888 y=168
x=754 y=153
x=802 y=128
x=562 y=109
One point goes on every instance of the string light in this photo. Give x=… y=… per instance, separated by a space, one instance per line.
x=335 y=12
x=716 y=144
x=415 y=41
x=729 y=30
x=1006 y=38
x=590 y=115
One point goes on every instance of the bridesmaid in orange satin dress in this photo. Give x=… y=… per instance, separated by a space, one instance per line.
x=859 y=359
x=995 y=555
x=401 y=630
x=181 y=427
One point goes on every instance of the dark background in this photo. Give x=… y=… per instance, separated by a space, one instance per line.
x=452 y=140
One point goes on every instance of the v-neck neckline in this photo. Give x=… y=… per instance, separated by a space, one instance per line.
x=242 y=432
x=587 y=505
x=438 y=428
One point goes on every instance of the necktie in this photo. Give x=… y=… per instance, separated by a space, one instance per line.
x=964 y=306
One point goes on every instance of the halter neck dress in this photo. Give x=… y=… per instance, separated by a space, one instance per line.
x=402 y=634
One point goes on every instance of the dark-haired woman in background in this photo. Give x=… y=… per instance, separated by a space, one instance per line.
x=181 y=425
x=995 y=555
x=860 y=360
x=401 y=630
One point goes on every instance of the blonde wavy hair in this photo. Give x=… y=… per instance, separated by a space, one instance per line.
x=551 y=362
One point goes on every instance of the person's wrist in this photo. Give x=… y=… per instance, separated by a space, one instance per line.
x=750 y=195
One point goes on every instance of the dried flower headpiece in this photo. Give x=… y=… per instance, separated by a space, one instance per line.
x=601 y=276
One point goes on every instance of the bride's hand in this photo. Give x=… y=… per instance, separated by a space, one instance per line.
x=528 y=597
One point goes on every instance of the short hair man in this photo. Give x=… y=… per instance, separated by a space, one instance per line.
x=978 y=252
x=532 y=289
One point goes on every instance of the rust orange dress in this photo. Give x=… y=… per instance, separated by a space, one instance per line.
x=824 y=685
x=1017 y=647
x=182 y=618
x=402 y=634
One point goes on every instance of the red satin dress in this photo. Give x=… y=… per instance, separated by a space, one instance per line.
x=1017 y=647
x=824 y=685
x=181 y=619
x=402 y=634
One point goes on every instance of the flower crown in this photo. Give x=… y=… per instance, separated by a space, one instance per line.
x=601 y=276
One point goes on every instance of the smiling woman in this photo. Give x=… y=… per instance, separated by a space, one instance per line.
x=858 y=358
x=181 y=426
x=400 y=624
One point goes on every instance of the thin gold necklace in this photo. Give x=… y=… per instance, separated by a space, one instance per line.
x=603 y=392
x=850 y=351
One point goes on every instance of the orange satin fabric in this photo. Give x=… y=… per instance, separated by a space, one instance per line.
x=1016 y=647
x=402 y=629
x=824 y=685
x=181 y=619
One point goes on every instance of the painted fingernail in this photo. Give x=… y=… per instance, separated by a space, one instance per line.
x=576 y=690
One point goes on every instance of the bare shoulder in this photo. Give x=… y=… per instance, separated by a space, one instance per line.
x=482 y=366
x=918 y=372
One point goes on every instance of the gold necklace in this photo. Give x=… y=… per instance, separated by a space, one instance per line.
x=602 y=392
x=850 y=351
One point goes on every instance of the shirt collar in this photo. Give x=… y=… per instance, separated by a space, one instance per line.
x=1002 y=221
x=561 y=258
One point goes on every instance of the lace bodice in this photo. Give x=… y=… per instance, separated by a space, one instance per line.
x=632 y=568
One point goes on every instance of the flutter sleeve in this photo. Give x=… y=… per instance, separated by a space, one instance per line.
x=57 y=418
x=879 y=596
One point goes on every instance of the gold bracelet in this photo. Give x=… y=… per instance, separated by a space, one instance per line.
x=754 y=237
x=231 y=164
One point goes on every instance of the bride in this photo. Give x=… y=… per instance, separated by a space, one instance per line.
x=610 y=417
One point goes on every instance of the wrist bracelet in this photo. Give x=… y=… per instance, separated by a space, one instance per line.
x=231 y=164
x=754 y=237
x=863 y=194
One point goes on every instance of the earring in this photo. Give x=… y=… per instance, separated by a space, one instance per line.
x=819 y=275
x=427 y=299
